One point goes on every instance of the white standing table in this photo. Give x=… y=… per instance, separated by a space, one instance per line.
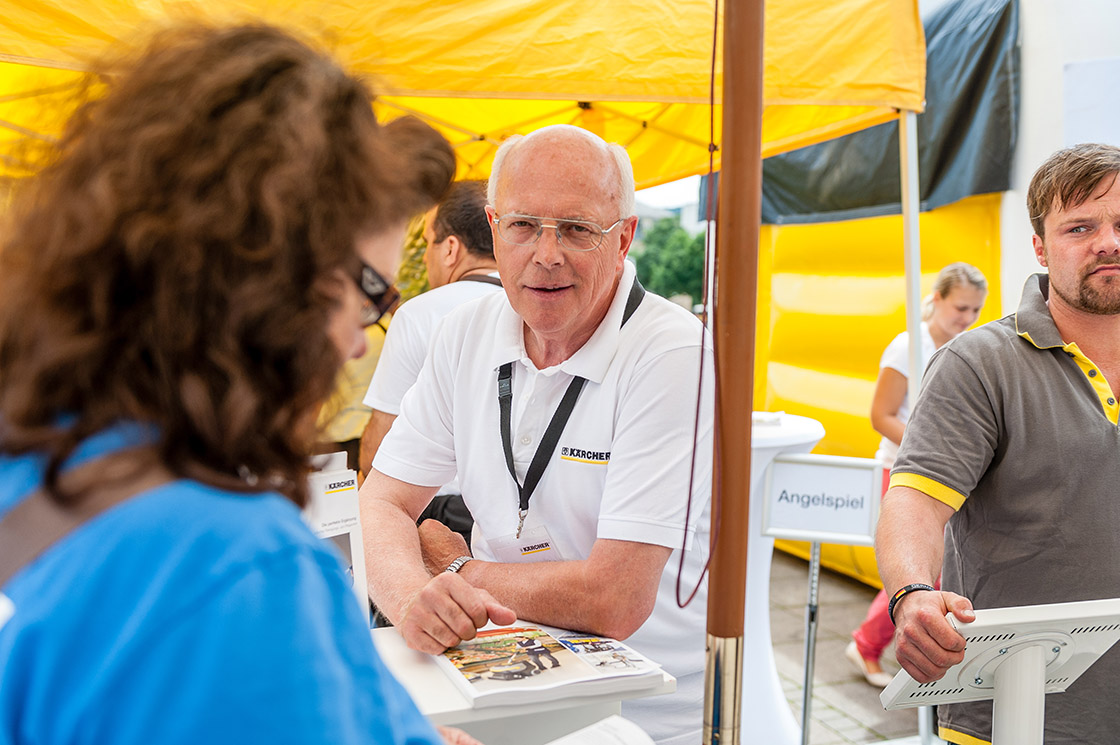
x=767 y=717
x=525 y=724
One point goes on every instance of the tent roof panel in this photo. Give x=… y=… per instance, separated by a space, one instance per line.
x=482 y=69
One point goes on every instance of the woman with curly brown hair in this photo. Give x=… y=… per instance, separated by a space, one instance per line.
x=178 y=288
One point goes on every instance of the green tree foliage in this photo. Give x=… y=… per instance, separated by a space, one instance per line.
x=412 y=279
x=672 y=262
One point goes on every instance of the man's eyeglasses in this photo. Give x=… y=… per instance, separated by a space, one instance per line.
x=574 y=235
x=380 y=294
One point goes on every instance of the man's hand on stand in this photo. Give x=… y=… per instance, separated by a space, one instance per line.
x=926 y=643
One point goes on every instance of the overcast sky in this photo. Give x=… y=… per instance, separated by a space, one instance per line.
x=672 y=194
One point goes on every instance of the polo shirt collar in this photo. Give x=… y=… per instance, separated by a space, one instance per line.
x=589 y=361
x=1033 y=321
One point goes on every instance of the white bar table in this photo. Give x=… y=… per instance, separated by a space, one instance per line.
x=525 y=724
x=767 y=717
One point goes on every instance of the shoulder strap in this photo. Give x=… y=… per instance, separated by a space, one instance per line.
x=38 y=522
x=633 y=300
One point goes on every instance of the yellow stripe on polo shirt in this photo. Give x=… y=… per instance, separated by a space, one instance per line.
x=1092 y=373
x=928 y=486
x=1097 y=380
x=959 y=738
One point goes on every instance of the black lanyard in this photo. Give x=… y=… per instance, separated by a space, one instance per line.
x=560 y=417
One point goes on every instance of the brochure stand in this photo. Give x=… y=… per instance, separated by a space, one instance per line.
x=1015 y=656
x=333 y=515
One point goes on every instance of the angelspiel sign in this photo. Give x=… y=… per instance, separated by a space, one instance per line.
x=828 y=501
x=823 y=498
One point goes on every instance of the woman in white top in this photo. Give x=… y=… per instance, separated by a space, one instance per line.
x=954 y=305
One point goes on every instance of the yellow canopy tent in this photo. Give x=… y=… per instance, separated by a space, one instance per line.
x=637 y=72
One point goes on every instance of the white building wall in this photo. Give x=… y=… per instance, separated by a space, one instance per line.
x=1054 y=34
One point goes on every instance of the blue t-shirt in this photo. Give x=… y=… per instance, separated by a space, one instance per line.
x=190 y=614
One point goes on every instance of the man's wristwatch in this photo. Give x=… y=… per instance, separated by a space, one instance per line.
x=456 y=565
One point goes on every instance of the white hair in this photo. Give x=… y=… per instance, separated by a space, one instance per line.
x=617 y=152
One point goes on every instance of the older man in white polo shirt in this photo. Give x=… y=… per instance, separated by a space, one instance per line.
x=567 y=406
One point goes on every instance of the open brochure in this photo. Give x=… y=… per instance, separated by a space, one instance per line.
x=526 y=663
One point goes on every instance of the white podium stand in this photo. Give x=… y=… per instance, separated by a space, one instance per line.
x=767 y=717
x=1015 y=656
x=527 y=724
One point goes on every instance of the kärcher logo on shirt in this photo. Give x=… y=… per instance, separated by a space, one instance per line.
x=580 y=455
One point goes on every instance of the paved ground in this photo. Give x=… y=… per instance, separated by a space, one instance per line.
x=845 y=709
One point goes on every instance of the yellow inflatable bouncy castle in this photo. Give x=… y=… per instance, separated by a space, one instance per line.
x=831 y=297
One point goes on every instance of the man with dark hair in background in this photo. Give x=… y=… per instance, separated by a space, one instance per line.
x=461 y=268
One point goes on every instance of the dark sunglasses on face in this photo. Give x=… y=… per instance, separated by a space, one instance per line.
x=380 y=294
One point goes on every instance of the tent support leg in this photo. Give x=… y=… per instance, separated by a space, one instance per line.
x=911 y=241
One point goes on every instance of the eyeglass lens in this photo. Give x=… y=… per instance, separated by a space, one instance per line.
x=577 y=235
x=380 y=295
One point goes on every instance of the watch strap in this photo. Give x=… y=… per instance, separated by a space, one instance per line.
x=456 y=565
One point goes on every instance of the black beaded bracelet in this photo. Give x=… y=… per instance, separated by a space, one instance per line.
x=903 y=592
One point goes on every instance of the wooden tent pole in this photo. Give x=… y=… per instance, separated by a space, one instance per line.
x=736 y=292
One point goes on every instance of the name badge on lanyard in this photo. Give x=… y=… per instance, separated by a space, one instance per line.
x=534 y=544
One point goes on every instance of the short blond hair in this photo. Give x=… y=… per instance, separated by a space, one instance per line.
x=1067 y=178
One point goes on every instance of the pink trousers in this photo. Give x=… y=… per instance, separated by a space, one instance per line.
x=876 y=631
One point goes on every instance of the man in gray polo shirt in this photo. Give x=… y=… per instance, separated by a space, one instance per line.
x=1013 y=451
